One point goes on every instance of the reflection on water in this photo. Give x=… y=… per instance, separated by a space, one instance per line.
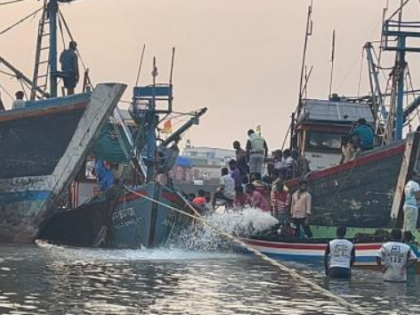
x=54 y=280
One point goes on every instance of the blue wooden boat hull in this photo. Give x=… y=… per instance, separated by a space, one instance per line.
x=42 y=148
x=121 y=220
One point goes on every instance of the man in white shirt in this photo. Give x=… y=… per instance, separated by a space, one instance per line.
x=339 y=256
x=412 y=197
x=396 y=258
x=227 y=189
x=19 y=102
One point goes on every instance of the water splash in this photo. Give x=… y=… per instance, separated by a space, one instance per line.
x=238 y=223
x=92 y=256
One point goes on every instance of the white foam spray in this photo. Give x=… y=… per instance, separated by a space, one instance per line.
x=241 y=223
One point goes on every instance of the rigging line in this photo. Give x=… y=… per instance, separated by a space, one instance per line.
x=8 y=74
x=11 y=2
x=60 y=26
x=33 y=14
x=71 y=38
x=7 y=92
x=360 y=73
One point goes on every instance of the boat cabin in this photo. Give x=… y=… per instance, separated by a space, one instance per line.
x=320 y=126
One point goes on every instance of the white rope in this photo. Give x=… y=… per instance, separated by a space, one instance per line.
x=20 y=21
x=273 y=262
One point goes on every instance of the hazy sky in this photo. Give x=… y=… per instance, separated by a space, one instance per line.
x=240 y=58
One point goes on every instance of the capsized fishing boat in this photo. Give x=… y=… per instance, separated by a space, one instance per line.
x=44 y=143
x=134 y=213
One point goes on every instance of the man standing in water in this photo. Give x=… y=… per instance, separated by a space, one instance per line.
x=257 y=150
x=339 y=256
x=412 y=197
x=301 y=209
x=396 y=258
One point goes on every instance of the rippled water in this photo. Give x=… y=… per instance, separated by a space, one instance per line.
x=55 y=280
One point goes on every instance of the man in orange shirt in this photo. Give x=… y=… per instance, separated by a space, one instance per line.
x=301 y=209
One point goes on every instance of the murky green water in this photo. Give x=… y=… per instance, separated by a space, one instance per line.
x=54 y=280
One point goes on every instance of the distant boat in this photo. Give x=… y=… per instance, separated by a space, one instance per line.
x=45 y=143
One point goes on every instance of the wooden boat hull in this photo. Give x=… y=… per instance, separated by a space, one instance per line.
x=366 y=192
x=312 y=252
x=43 y=147
x=125 y=220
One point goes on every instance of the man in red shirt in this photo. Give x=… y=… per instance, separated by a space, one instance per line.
x=256 y=199
x=200 y=200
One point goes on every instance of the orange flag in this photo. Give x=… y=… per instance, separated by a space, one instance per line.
x=167 y=127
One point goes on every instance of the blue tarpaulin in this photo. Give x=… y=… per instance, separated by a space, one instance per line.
x=183 y=161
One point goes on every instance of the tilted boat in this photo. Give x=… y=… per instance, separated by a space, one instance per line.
x=133 y=213
x=44 y=144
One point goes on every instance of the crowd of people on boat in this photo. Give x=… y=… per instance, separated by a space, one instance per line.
x=243 y=184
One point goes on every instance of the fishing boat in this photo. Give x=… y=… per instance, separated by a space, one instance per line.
x=365 y=194
x=44 y=143
x=133 y=213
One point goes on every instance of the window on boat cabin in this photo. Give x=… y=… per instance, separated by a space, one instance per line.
x=323 y=141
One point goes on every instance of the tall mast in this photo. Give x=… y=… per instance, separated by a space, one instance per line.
x=52 y=12
x=402 y=32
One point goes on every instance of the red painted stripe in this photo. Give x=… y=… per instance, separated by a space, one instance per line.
x=372 y=158
x=306 y=246
x=132 y=196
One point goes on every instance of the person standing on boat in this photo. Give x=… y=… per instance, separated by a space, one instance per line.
x=411 y=203
x=301 y=209
x=347 y=149
x=241 y=159
x=235 y=173
x=226 y=191
x=364 y=135
x=280 y=200
x=339 y=256
x=394 y=258
x=302 y=164
x=256 y=199
x=70 y=67
x=257 y=151
x=19 y=102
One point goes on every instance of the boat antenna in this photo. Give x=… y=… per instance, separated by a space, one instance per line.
x=172 y=66
x=140 y=65
x=332 y=63
x=170 y=80
x=308 y=33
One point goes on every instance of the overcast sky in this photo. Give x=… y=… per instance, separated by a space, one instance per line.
x=240 y=58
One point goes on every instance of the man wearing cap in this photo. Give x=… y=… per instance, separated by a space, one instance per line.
x=412 y=197
x=70 y=67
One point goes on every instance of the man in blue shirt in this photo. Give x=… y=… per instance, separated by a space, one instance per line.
x=364 y=134
x=70 y=67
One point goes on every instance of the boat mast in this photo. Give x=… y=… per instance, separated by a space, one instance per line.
x=151 y=128
x=52 y=12
x=402 y=32
x=302 y=84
